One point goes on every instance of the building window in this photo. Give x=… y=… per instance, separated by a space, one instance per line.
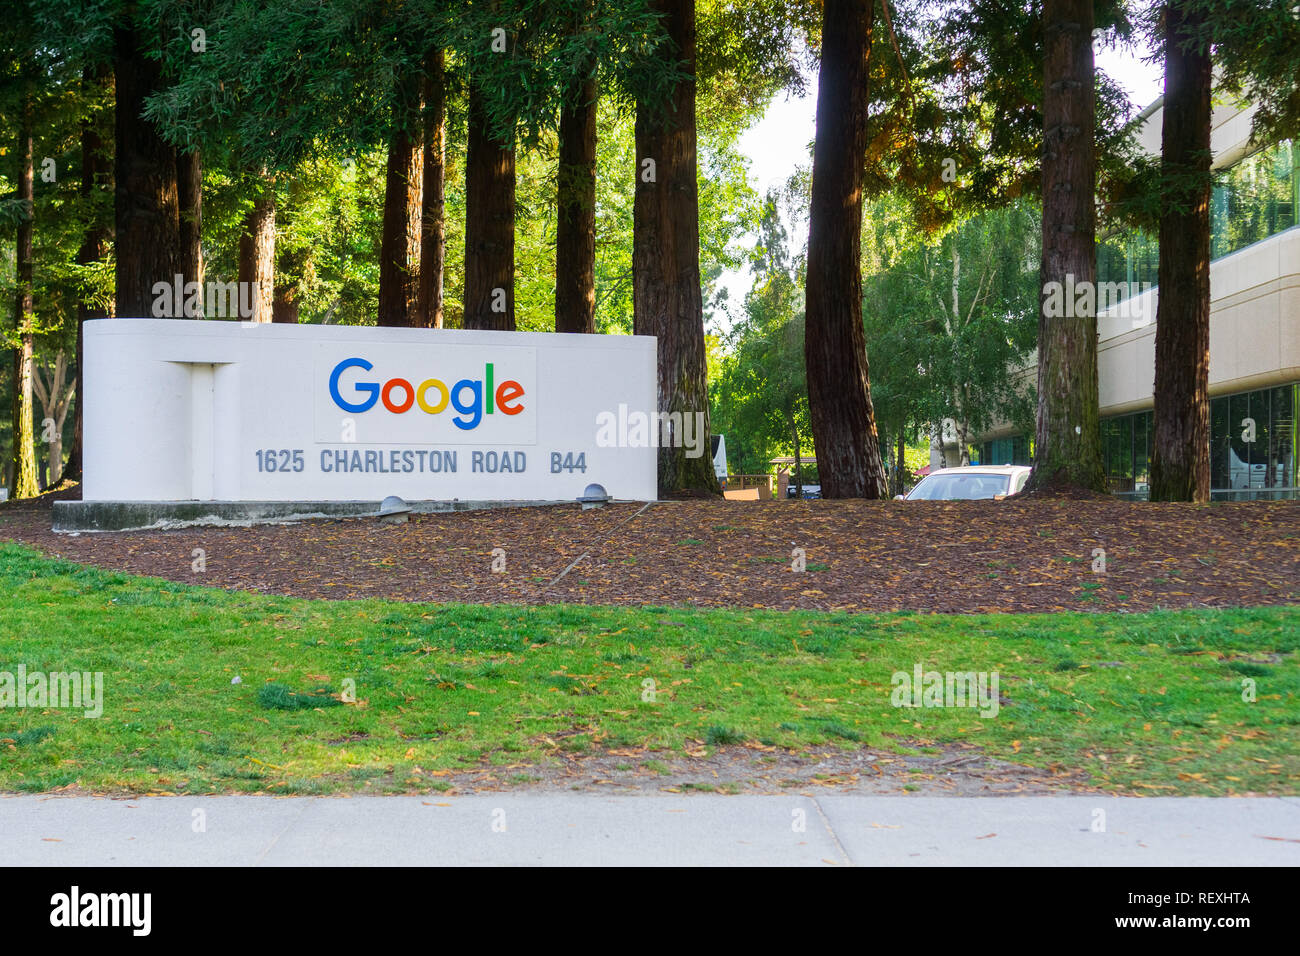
x=1284 y=436
x=1142 y=425
x=1006 y=451
x=1254 y=441
x=1131 y=257
x=1117 y=452
x=1251 y=200
x=1219 y=447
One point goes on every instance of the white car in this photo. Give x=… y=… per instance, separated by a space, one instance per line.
x=970 y=483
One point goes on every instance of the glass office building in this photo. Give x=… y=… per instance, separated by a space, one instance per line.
x=1253 y=434
x=1254 y=447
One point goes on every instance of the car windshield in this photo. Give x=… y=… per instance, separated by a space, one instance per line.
x=959 y=487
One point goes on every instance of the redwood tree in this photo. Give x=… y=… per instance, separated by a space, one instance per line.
x=399 y=254
x=489 y=222
x=1180 y=447
x=575 y=234
x=288 y=275
x=189 y=188
x=433 y=241
x=1067 y=444
x=839 y=393
x=257 y=254
x=147 y=238
x=666 y=297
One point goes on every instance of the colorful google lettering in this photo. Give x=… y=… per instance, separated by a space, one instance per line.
x=484 y=397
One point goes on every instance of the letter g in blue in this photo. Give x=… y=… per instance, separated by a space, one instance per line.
x=364 y=387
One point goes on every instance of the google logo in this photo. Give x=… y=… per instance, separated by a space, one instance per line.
x=484 y=398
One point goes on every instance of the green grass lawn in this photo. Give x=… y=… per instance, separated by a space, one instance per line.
x=1145 y=703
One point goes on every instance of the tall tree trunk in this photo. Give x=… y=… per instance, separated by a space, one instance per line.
x=96 y=175
x=399 y=254
x=575 y=238
x=288 y=269
x=23 y=458
x=835 y=352
x=1180 y=455
x=433 y=243
x=489 y=224
x=257 y=255
x=189 y=188
x=666 y=298
x=147 y=241
x=1067 y=444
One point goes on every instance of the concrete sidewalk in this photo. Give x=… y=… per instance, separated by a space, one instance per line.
x=586 y=829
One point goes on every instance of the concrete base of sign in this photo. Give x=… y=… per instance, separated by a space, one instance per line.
x=77 y=516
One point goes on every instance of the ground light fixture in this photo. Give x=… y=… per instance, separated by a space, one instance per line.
x=393 y=510
x=594 y=496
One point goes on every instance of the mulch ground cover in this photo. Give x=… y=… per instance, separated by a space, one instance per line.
x=975 y=556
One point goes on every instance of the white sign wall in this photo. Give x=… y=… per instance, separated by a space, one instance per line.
x=180 y=410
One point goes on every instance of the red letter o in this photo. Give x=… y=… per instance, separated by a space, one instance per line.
x=388 y=402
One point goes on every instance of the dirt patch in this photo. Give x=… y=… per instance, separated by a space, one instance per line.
x=958 y=770
x=1030 y=555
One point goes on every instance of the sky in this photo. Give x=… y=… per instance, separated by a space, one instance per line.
x=782 y=139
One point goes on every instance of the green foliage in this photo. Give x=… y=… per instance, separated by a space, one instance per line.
x=948 y=320
x=61 y=104
x=982 y=67
x=357 y=62
x=758 y=393
x=748 y=50
x=1254 y=45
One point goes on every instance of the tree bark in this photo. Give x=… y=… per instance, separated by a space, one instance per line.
x=1067 y=444
x=23 y=457
x=399 y=254
x=433 y=243
x=835 y=353
x=147 y=238
x=1180 y=454
x=489 y=224
x=189 y=187
x=257 y=256
x=666 y=298
x=289 y=266
x=96 y=174
x=575 y=238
